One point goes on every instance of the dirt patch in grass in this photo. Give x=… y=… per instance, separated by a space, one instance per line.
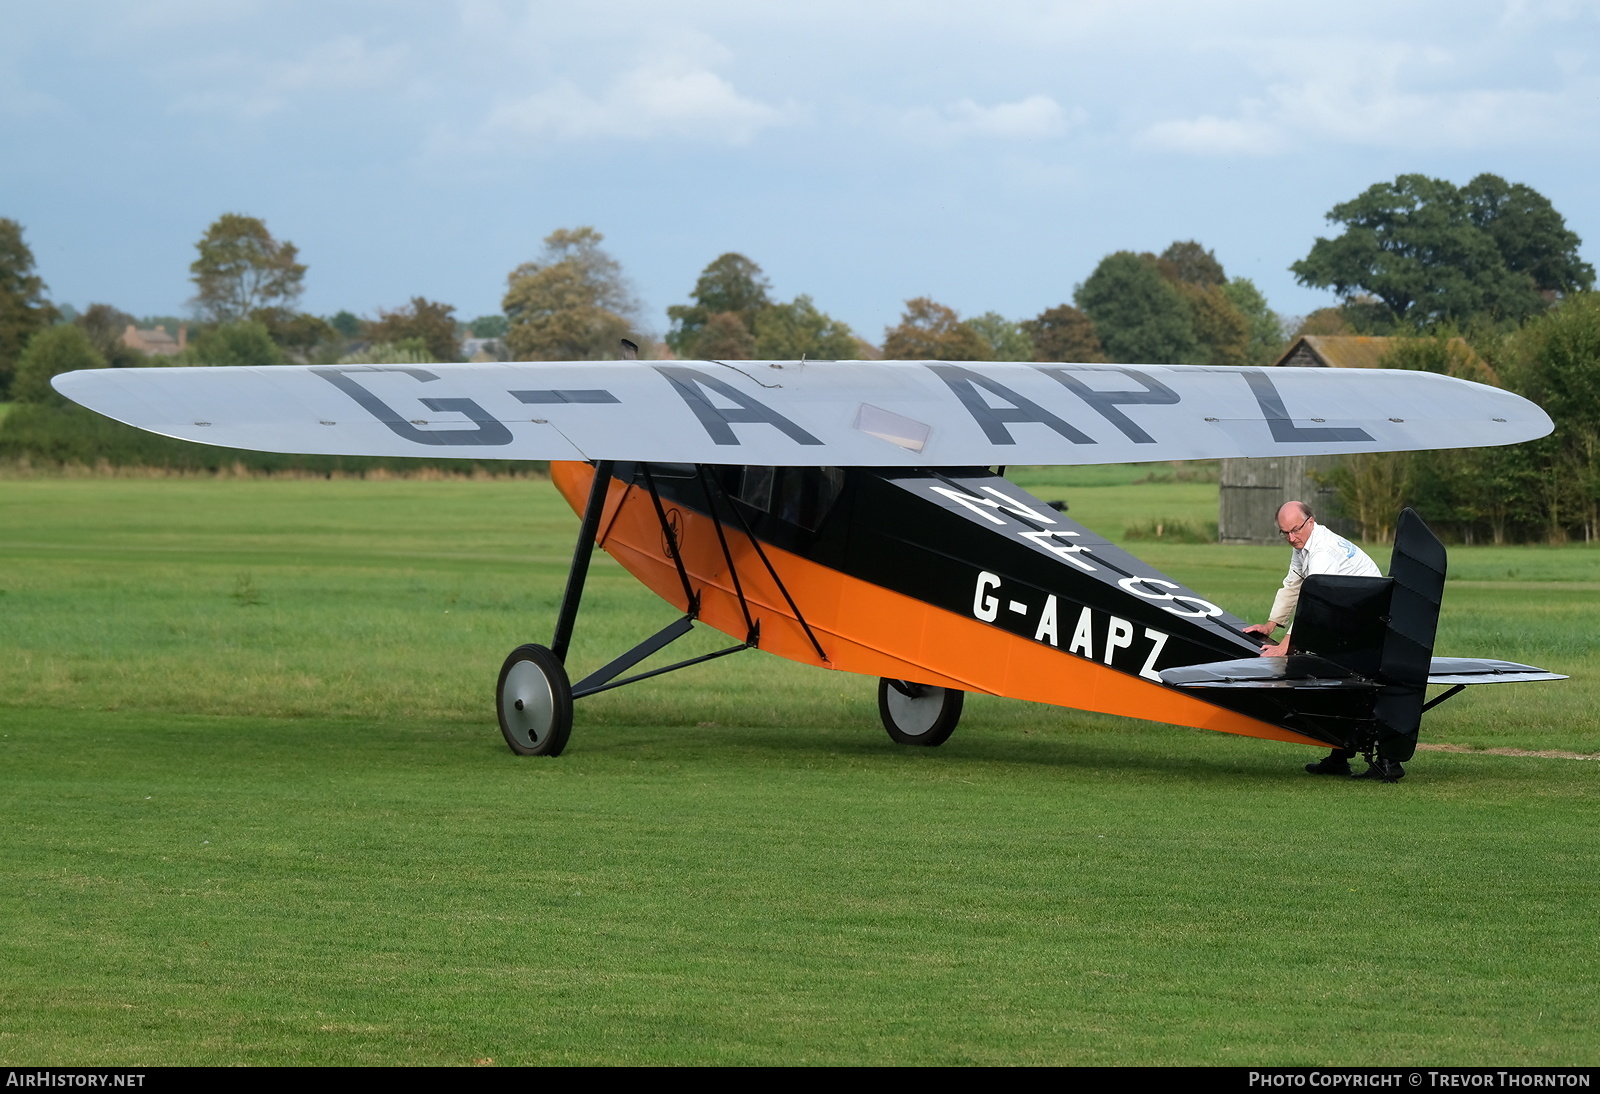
x=1544 y=754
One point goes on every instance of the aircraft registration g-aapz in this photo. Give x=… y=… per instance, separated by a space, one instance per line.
x=850 y=515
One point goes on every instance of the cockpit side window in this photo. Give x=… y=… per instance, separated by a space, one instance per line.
x=755 y=487
x=800 y=496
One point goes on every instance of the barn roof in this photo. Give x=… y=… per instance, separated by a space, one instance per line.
x=1336 y=351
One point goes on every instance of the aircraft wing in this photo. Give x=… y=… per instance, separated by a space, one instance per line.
x=788 y=413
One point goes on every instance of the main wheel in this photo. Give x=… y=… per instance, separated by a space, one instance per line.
x=534 y=701
x=918 y=714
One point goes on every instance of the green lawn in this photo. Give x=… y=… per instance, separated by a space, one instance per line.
x=257 y=811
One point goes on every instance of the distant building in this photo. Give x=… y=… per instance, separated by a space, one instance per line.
x=1335 y=351
x=1253 y=490
x=483 y=349
x=156 y=341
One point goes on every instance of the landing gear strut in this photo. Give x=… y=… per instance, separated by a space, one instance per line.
x=534 y=695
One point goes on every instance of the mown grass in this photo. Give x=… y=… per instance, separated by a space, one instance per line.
x=257 y=811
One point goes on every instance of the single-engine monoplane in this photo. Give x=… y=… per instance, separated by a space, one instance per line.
x=854 y=516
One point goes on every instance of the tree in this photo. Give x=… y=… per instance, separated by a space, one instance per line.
x=242 y=269
x=489 y=326
x=789 y=332
x=1443 y=353
x=731 y=285
x=1063 y=333
x=1139 y=316
x=929 y=331
x=23 y=307
x=432 y=322
x=347 y=324
x=1531 y=236
x=1222 y=334
x=297 y=333
x=1371 y=487
x=573 y=304
x=50 y=352
x=1007 y=341
x=1263 y=329
x=1191 y=263
x=246 y=343
x=1430 y=252
x=407 y=351
x=724 y=337
x=1556 y=363
x=105 y=326
x=1324 y=321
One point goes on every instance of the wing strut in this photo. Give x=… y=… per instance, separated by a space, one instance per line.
x=580 y=560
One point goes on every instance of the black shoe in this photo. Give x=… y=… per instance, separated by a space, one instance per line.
x=1330 y=765
x=1388 y=771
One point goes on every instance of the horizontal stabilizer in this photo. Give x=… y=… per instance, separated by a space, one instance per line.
x=809 y=414
x=1311 y=672
x=1478 y=670
x=1295 y=671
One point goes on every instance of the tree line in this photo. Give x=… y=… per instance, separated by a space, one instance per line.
x=1482 y=281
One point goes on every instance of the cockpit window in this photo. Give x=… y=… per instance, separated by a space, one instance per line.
x=796 y=495
x=755 y=487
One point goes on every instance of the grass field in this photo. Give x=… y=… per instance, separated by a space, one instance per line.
x=257 y=811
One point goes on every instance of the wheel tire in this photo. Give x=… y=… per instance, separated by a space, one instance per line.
x=918 y=714
x=534 y=701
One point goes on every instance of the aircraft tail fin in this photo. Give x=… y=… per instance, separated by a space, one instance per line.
x=1417 y=571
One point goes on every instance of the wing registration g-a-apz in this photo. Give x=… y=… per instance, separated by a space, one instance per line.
x=844 y=515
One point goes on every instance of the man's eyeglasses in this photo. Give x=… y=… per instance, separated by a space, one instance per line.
x=1295 y=529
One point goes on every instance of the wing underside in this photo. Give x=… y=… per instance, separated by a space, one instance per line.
x=786 y=413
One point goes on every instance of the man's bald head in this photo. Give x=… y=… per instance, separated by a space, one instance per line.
x=1295 y=522
x=1299 y=510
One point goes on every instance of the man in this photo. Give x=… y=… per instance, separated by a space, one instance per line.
x=1316 y=551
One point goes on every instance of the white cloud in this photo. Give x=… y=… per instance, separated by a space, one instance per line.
x=656 y=101
x=1211 y=135
x=1381 y=99
x=1036 y=118
x=246 y=89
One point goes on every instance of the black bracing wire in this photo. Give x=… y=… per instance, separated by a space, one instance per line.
x=727 y=556
x=778 y=581
x=672 y=542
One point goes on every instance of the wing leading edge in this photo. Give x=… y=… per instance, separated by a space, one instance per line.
x=786 y=413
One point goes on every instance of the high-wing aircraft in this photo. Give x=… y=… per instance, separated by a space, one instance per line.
x=853 y=515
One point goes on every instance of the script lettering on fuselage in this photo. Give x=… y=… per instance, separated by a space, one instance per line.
x=1091 y=630
x=1054 y=540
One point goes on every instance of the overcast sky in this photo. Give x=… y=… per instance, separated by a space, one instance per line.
x=987 y=154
